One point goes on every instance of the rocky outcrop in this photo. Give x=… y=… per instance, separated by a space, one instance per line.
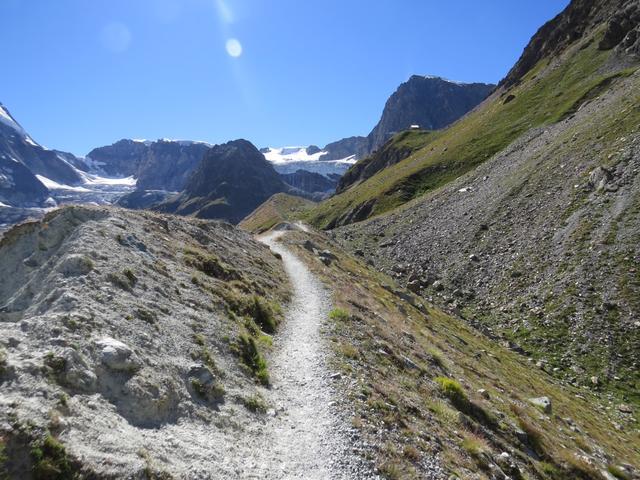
x=230 y=182
x=19 y=186
x=121 y=159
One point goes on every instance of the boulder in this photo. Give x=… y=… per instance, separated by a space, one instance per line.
x=117 y=356
x=543 y=403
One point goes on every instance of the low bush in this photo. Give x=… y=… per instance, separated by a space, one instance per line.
x=339 y=315
x=252 y=358
x=50 y=460
x=255 y=403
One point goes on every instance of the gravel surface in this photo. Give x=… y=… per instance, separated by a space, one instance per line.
x=305 y=436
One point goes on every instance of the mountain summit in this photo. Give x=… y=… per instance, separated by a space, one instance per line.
x=232 y=180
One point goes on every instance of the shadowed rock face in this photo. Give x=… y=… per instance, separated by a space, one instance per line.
x=230 y=182
x=310 y=182
x=18 y=186
x=160 y=165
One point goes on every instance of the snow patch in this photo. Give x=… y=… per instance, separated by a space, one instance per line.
x=7 y=119
x=53 y=185
x=436 y=77
x=91 y=179
x=291 y=154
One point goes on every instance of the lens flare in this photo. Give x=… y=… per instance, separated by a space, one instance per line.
x=234 y=47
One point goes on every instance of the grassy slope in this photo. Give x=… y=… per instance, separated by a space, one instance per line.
x=280 y=207
x=547 y=94
x=401 y=409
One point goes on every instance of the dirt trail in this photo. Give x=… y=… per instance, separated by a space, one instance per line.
x=306 y=437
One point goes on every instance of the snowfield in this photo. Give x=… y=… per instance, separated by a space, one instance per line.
x=291 y=159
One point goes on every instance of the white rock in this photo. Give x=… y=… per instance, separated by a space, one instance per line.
x=117 y=356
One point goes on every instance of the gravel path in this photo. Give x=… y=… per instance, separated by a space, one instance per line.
x=305 y=436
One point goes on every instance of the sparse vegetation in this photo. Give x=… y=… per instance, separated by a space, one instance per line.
x=50 y=460
x=262 y=313
x=339 y=315
x=210 y=265
x=146 y=316
x=474 y=444
x=213 y=391
x=252 y=358
x=255 y=403
x=618 y=472
x=56 y=364
x=279 y=208
x=125 y=280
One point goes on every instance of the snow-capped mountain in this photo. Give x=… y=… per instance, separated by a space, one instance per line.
x=288 y=160
x=34 y=178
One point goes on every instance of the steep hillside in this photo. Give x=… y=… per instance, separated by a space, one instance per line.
x=129 y=345
x=538 y=245
x=230 y=182
x=549 y=92
x=433 y=398
x=398 y=148
x=279 y=208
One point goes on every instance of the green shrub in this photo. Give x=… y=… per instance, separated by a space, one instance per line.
x=339 y=315
x=128 y=273
x=255 y=403
x=252 y=358
x=146 y=316
x=56 y=364
x=452 y=390
x=215 y=391
x=262 y=313
x=50 y=461
x=125 y=280
x=210 y=265
x=618 y=472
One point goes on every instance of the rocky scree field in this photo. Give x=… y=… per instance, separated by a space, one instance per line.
x=132 y=345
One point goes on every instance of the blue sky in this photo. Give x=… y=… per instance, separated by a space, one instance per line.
x=84 y=73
